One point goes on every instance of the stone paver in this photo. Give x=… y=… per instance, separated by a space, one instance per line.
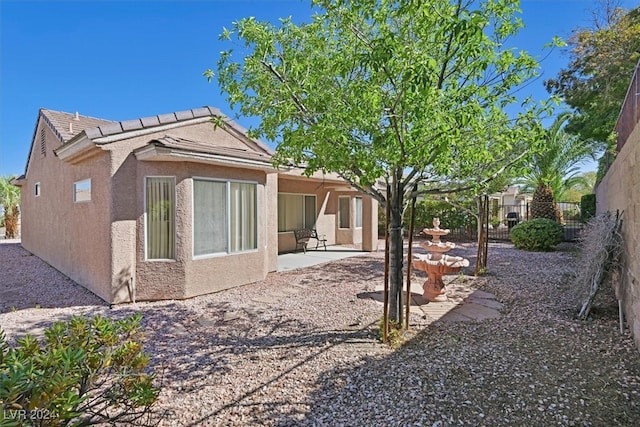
x=476 y=311
x=465 y=302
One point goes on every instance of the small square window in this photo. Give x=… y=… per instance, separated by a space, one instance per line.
x=36 y=189
x=82 y=191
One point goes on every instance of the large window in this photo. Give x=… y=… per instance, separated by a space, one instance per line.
x=224 y=217
x=344 y=212
x=358 y=212
x=160 y=224
x=296 y=211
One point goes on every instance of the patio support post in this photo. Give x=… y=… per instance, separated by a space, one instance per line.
x=385 y=315
x=410 y=255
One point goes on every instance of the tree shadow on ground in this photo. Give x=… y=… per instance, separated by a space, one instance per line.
x=227 y=357
x=523 y=369
x=490 y=377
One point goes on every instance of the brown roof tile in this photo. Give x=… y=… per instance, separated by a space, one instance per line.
x=111 y=129
x=68 y=125
x=148 y=122
x=167 y=118
x=128 y=125
x=96 y=128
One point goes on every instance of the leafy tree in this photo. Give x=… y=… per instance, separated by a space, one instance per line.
x=554 y=169
x=587 y=207
x=602 y=61
x=10 y=199
x=403 y=92
x=585 y=182
x=87 y=371
x=456 y=215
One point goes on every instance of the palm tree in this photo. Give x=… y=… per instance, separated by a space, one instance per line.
x=10 y=199
x=555 y=169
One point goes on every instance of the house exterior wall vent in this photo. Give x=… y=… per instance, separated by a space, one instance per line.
x=43 y=142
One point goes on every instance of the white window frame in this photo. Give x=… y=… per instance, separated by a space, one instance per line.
x=304 y=213
x=175 y=198
x=228 y=183
x=76 y=190
x=359 y=216
x=348 y=211
x=36 y=189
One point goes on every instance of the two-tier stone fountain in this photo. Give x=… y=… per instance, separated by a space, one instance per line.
x=436 y=264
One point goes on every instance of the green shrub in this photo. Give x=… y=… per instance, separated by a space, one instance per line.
x=85 y=371
x=587 y=207
x=450 y=216
x=539 y=234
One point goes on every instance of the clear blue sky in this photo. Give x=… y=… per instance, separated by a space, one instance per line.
x=121 y=60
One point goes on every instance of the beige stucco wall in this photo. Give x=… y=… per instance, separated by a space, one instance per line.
x=370 y=224
x=183 y=277
x=71 y=237
x=325 y=212
x=620 y=190
x=100 y=243
x=327 y=202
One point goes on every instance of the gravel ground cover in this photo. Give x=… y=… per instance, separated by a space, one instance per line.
x=301 y=348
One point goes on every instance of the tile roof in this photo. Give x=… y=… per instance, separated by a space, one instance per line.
x=114 y=128
x=183 y=144
x=68 y=125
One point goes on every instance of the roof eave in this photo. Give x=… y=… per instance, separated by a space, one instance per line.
x=154 y=153
x=80 y=148
x=19 y=181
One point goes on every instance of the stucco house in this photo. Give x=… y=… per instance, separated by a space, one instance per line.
x=171 y=206
x=508 y=201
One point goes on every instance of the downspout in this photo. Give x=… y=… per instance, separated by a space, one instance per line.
x=132 y=288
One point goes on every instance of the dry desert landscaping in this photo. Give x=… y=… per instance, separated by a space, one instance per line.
x=301 y=348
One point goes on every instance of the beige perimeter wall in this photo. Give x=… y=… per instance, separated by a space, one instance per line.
x=620 y=189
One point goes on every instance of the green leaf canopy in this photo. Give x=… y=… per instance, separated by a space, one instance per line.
x=414 y=93
x=386 y=89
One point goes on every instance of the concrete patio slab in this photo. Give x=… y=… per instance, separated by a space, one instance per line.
x=295 y=260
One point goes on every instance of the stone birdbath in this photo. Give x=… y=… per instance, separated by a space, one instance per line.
x=436 y=263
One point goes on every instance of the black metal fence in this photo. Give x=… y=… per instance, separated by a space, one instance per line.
x=502 y=218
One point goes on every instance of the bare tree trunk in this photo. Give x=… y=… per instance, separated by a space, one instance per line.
x=396 y=250
x=483 y=234
x=409 y=255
